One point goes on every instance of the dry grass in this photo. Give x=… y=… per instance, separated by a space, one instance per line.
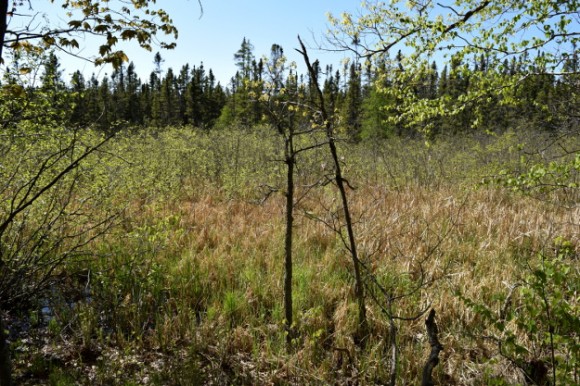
x=225 y=263
x=195 y=282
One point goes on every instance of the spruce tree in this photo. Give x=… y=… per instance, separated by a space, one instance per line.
x=79 y=103
x=182 y=84
x=353 y=104
x=195 y=97
x=133 y=110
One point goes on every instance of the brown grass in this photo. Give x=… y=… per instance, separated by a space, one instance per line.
x=472 y=241
x=204 y=302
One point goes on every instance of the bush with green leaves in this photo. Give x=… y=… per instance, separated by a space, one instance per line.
x=536 y=327
x=52 y=205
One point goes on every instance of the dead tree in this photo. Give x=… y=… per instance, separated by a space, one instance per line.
x=339 y=180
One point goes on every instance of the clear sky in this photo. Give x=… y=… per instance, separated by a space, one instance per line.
x=214 y=36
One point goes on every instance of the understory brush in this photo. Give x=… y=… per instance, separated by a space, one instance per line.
x=187 y=287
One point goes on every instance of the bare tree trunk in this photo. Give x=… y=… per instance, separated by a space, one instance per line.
x=340 y=183
x=359 y=290
x=5 y=365
x=290 y=161
x=436 y=348
x=394 y=350
x=3 y=25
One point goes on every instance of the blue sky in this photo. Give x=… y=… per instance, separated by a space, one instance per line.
x=218 y=34
x=214 y=36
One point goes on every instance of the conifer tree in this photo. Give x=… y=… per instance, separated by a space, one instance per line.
x=433 y=81
x=79 y=112
x=92 y=105
x=244 y=58
x=245 y=88
x=182 y=84
x=53 y=89
x=378 y=105
x=105 y=118
x=331 y=88
x=118 y=94
x=195 y=97
x=154 y=94
x=216 y=100
x=353 y=103
x=146 y=102
x=133 y=111
x=169 y=100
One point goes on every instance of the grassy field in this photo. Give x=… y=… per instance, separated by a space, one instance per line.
x=186 y=286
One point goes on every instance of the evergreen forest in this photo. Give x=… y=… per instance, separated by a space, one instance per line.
x=191 y=97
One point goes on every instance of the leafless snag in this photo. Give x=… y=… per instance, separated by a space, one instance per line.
x=327 y=123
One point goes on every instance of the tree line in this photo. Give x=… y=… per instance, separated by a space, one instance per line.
x=363 y=95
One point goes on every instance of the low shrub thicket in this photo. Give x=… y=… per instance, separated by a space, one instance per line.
x=187 y=286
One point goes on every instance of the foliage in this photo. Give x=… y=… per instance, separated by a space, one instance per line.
x=461 y=33
x=44 y=221
x=537 y=326
x=374 y=98
x=553 y=168
x=139 y=21
x=186 y=286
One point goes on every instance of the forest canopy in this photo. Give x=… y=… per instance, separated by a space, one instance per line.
x=493 y=48
x=419 y=68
